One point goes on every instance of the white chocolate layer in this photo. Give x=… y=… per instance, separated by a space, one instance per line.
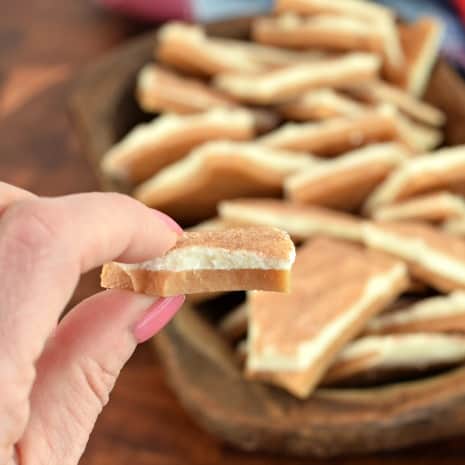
x=281 y=161
x=308 y=352
x=167 y=126
x=268 y=87
x=299 y=225
x=432 y=164
x=212 y=258
x=388 y=153
x=407 y=350
x=415 y=250
x=435 y=307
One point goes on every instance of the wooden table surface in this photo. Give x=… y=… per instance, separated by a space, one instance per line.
x=43 y=46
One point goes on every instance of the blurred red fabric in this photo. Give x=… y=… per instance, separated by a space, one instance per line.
x=152 y=10
x=460 y=5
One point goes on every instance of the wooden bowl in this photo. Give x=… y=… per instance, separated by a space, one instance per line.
x=200 y=365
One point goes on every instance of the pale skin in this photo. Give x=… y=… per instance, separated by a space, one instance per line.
x=57 y=375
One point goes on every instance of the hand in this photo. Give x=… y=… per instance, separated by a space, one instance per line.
x=56 y=377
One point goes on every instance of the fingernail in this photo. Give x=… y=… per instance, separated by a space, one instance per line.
x=168 y=221
x=157 y=317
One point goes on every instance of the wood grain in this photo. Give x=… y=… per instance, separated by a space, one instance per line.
x=143 y=423
x=331 y=422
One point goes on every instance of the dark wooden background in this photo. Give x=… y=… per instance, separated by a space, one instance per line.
x=43 y=46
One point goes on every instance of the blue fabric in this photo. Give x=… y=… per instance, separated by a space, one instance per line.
x=214 y=10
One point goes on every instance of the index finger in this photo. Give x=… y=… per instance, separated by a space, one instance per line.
x=10 y=194
x=45 y=244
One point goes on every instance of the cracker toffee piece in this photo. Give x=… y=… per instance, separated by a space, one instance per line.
x=159 y=90
x=378 y=16
x=439 y=170
x=418 y=137
x=384 y=357
x=435 y=207
x=334 y=136
x=213 y=224
x=346 y=181
x=336 y=288
x=187 y=48
x=323 y=31
x=455 y=226
x=301 y=222
x=433 y=256
x=150 y=147
x=377 y=92
x=433 y=315
x=219 y=171
x=213 y=261
x=421 y=42
x=281 y=85
x=269 y=56
x=320 y=104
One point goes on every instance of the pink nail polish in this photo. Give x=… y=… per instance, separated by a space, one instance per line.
x=157 y=317
x=168 y=221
